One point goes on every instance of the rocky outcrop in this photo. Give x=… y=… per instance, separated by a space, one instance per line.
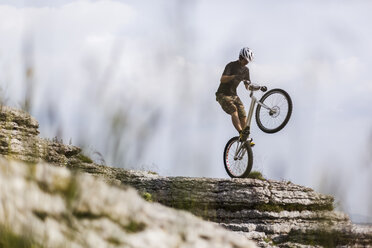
x=273 y=213
x=19 y=140
x=47 y=206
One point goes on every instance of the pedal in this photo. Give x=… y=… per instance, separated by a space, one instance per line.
x=251 y=143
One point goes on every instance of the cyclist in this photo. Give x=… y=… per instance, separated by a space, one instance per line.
x=226 y=95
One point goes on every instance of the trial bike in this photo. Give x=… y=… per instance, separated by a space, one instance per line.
x=273 y=112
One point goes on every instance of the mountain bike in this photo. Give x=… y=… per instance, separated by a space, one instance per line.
x=273 y=112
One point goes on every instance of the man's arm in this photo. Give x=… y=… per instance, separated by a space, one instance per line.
x=227 y=74
x=246 y=79
x=226 y=78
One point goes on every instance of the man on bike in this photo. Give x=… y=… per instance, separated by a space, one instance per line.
x=226 y=95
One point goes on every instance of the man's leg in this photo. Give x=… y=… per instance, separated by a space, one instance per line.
x=241 y=112
x=228 y=105
x=242 y=118
x=243 y=122
x=236 y=122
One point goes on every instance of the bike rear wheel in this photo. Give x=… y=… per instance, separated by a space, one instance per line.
x=277 y=116
x=238 y=164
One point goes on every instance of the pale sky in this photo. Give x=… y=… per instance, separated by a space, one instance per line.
x=135 y=82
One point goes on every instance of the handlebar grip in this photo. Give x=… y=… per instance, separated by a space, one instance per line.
x=263 y=88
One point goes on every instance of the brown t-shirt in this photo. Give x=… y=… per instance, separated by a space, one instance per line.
x=232 y=68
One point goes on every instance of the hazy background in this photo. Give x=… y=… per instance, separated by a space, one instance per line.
x=133 y=82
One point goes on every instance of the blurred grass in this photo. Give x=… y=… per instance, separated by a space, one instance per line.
x=85 y=158
x=256 y=175
x=3 y=96
x=9 y=239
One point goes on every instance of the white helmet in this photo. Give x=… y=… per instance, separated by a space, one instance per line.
x=246 y=53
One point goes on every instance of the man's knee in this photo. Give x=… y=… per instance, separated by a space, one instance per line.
x=241 y=112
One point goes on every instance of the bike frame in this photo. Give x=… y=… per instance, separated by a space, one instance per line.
x=239 y=153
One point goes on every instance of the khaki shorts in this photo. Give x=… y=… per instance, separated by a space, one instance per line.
x=230 y=104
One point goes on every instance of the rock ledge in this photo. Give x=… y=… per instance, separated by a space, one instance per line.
x=273 y=213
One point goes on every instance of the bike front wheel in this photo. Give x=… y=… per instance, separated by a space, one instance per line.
x=238 y=158
x=275 y=112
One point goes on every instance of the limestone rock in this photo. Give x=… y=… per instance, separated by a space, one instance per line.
x=273 y=213
x=19 y=140
x=54 y=207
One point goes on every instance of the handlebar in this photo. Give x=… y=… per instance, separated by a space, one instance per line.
x=255 y=87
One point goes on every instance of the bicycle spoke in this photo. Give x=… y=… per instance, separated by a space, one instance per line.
x=237 y=167
x=279 y=108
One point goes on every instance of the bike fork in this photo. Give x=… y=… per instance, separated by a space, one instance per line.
x=240 y=152
x=272 y=110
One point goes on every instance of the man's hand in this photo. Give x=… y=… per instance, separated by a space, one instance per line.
x=246 y=84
